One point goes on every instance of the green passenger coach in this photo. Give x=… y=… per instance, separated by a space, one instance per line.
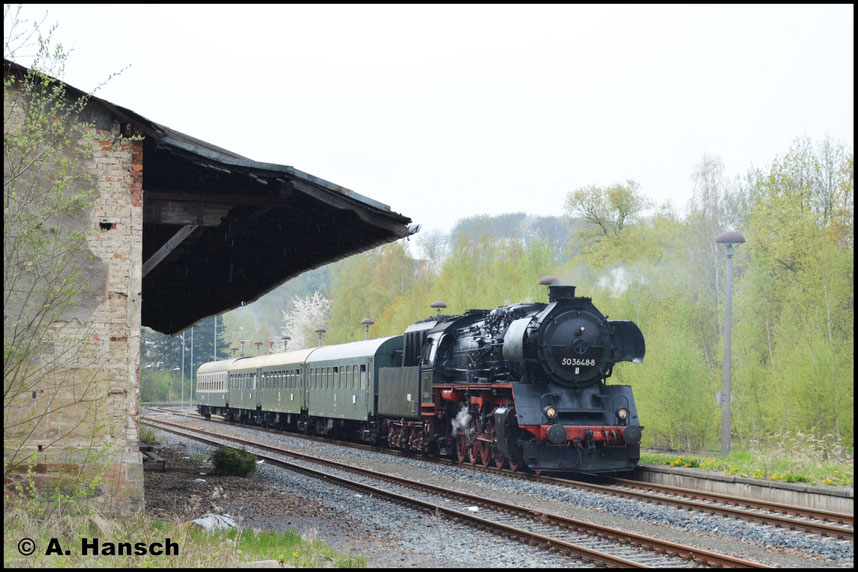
x=281 y=384
x=342 y=382
x=212 y=386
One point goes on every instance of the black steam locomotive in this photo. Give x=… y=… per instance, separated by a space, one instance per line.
x=520 y=385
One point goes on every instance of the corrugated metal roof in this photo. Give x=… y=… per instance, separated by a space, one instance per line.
x=221 y=230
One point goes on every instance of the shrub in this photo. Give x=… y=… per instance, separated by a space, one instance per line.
x=148 y=435
x=229 y=461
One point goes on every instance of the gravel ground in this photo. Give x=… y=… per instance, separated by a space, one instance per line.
x=390 y=535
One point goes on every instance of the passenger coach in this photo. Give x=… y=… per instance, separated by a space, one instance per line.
x=213 y=387
x=342 y=384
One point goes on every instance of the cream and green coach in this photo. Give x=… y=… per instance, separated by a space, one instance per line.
x=213 y=387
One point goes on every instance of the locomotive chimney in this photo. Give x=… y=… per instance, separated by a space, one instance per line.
x=555 y=291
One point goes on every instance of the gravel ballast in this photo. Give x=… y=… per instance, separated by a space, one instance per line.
x=391 y=535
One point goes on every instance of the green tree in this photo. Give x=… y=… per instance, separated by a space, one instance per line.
x=798 y=295
x=607 y=213
x=363 y=286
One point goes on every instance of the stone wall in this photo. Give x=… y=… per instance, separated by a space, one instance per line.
x=82 y=414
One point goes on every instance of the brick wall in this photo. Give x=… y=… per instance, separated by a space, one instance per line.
x=91 y=401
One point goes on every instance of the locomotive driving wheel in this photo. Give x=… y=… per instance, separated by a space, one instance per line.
x=485 y=451
x=474 y=449
x=474 y=452
x=461 y=445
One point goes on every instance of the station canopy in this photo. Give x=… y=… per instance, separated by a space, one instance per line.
x=221 y=230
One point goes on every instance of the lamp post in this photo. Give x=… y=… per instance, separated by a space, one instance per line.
x=438 y=304
x=183 y=370
x=285 y=341
x=320 y=331
x=728 y=239
x=172 y=369
x=367 y=322
x=191 y=388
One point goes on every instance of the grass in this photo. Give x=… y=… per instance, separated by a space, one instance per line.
x=790 y=457
x=148 y=435
x=196 y=547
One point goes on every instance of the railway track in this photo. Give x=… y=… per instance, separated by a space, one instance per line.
x=837 y=525
x=585 y=542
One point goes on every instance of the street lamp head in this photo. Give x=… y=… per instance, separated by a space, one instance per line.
x=367 y=322
x=728 y=239
x=438 y=304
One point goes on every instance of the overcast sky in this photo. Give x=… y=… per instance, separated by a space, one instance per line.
x=446 y=111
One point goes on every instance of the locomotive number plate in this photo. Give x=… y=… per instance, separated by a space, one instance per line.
x=576 y=361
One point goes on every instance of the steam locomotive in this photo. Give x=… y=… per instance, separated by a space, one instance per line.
x=522 y=385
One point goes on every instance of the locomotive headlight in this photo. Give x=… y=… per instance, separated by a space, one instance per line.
x=550 y=412
x=623 y=413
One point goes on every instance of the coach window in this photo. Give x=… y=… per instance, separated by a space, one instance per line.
x=363 y=376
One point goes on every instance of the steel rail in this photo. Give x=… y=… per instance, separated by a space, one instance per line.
x=818 y=514
x=775 y=520
x=660 y=546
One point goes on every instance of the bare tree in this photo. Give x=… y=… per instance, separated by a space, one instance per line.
x=49 y=364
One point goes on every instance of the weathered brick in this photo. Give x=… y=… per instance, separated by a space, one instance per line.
x=112 y=331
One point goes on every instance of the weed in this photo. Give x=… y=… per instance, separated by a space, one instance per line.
x=148 y=435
